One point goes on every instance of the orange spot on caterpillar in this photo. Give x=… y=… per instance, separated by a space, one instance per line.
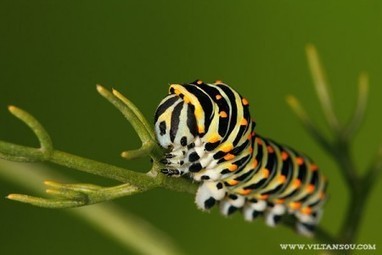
x=263 y=197
x=223 y=114
x=294 y=205
x=232 y=167
x=259 y=141
x=245 y=192
x=299 y=161
x=270 y=149
x=232 y=182
x=229 y=156
x=310 y=188
x=218 y=81
x=218 y=97
x=265 y=172
x=296 y=183
x=243 y=122
x=282 y=178
x=201 y=129
x=284 y=155
x=306 y=210
x=255 y=163
x=244 y=101
x=279 y=201
x=199 y=82
x=313 y=167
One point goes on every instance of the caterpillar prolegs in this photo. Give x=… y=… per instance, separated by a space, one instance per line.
x=210 y=135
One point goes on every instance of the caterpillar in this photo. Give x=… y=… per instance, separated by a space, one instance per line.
x=209 y=134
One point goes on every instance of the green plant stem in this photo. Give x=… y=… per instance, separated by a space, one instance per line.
x=321 y=86
x=359 y=199
x=341 y=154
x=105 y=170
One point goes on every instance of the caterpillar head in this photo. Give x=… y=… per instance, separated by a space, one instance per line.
x=175 y=119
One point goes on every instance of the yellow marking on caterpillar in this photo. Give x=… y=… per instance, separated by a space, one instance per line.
x=214 y=138
x=186 y=100
x=199 y=112
x=226 y=147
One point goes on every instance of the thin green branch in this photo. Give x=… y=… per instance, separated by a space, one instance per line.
x=102 y=169
x=42 y=136
x=136 y=111
x=44 y=202
x=14 y=152
x=75 y=195
x=321 y=86
x=135 y=118
x=360 y=109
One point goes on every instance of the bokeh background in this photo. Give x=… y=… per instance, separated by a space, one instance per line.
x=52 y=53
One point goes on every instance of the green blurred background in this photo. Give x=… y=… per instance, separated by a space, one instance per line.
x=52 y=53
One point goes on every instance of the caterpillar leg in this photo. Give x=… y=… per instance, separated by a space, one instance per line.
x=231 y=203
x=274 y=214
x=172 y=172
x=254 y=208
x=306 y=223
x=208 y=193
